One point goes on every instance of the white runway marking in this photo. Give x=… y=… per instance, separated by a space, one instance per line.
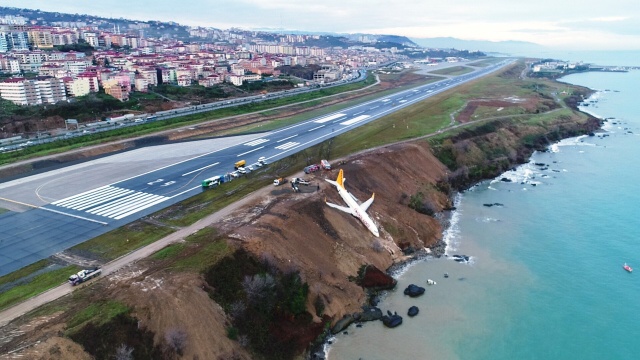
x=287 y=145
x=111 y=202
x=250 y=151
x=316 y=128
x=287 y=138
x=256 y=142
x=329 y=118
x=355 y=120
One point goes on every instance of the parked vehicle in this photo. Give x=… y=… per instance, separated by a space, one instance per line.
x=213 y=181
x=311 y=168
x=84 y=275
x=262 y=160
x=242 y=170
x=325 y=164
x=240 y=164
x=300 y=181
x=279 y=181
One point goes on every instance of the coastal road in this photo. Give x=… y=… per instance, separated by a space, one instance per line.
x=69 y=207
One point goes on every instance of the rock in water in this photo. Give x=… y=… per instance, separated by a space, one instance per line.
x=392 y=321
x=414 y=290
x=342 y=324
x=413 y=311
x=375 y=279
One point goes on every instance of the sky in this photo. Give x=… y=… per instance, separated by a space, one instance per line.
x=562 y=24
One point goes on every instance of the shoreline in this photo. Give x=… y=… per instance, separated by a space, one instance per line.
x=441 y=248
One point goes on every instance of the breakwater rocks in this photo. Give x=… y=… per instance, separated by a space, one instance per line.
x=374 y=279
x=414 y=290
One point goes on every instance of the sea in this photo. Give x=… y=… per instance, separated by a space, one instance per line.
x=545 y=278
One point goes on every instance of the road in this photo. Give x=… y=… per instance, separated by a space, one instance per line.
x=71 y=207
x=274 y=145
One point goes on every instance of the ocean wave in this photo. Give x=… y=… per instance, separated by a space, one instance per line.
x=487 y=219
x=451 y=235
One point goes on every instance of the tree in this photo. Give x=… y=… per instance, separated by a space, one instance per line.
x=176 y=340
x=124 y=352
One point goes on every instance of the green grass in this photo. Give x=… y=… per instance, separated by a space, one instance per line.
x=153 y=127
x=453 y=71
x=98 y=312
x=200 y=251
x=169 y=251
x=206 y=256
x=122 y=241
x=25 y=271
x=196 y=207
x=37 y=285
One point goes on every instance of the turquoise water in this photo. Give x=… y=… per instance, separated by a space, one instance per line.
x=546 y=278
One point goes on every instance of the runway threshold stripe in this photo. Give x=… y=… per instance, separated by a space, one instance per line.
x=140 y=209
x=110 y=191
x=126 y=208
x=102 y=199
x=77 y=195
x=75 y=199
x=119 y=202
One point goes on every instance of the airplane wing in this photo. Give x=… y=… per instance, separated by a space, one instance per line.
x=354 y=198
x=365 y=205
x=343 y=208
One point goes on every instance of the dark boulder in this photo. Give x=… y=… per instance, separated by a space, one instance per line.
x=461 y=258
x=375 y=279
x=342 y=324
x=414 y=290
x=392 y=320
x=370 y=314
x=413 y=311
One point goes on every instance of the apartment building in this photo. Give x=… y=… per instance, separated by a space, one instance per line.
x=78 y=86
x=118 y=91
x=36 y=91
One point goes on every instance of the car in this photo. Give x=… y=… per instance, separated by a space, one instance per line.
x=258 y=165
x=235 y=174
x=242 y=170
x=250 y=168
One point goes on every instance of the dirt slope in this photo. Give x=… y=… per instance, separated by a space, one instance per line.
x=298 y=231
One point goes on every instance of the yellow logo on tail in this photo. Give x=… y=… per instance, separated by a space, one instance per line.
x=340 y=179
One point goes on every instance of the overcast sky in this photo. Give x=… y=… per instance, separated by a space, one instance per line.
x=568 y=24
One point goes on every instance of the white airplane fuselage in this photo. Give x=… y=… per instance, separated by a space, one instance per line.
x=359 y=211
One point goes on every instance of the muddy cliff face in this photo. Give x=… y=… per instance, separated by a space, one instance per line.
x=412 y=182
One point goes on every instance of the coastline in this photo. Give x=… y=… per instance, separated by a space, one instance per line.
x=449 y=232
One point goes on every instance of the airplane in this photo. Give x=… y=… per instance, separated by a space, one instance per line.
x=354 y=209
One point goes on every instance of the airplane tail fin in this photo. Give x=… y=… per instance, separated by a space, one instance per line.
x=340 y=179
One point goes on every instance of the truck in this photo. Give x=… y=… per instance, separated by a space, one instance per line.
x=325 y=164
x=311 y=168
x=240 y=164
x=301 y=181
x=112 y=120
x=279 y=181
x=213 y=181
x=84 y=275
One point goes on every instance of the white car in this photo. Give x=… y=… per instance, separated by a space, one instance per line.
x=250 y=168
x=242 y=170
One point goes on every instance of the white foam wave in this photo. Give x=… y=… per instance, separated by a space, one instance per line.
x=523 y=174
x=487 y=219
x=451 y=234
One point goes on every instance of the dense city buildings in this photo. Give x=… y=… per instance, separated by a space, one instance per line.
x=120 y=59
